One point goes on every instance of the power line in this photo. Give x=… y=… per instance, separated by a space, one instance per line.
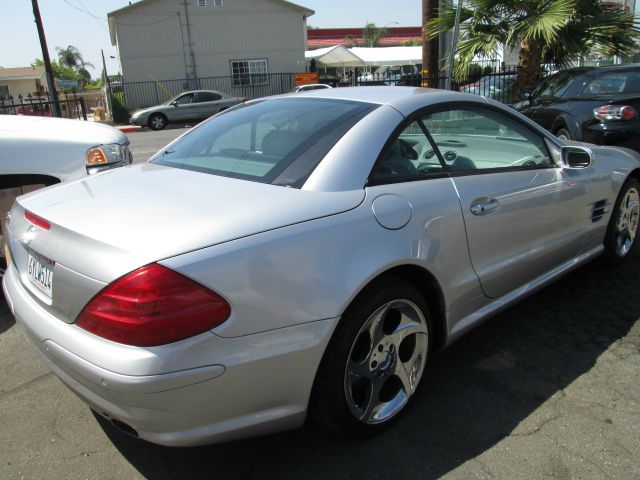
x=87 y=12
x=84 y=10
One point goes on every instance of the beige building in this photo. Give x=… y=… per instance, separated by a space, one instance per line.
x=23 y=81
x=196 y=39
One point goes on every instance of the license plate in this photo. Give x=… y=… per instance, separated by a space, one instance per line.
x=40 y=272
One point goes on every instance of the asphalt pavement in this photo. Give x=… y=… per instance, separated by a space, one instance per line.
x=145 y=142
x=549 y=388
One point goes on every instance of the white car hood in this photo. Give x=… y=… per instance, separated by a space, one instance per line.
x=51 y=146
x=113 y=222
x=58 y=130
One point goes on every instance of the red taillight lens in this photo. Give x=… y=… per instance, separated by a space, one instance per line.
x=615 y=112
x=153 y=306
x=36 y=220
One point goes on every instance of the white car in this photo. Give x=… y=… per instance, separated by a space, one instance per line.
x=312 y=86
x=36 y=152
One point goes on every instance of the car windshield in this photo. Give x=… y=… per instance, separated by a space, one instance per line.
x=555 y=86
x=171 y=100
x=277 y=141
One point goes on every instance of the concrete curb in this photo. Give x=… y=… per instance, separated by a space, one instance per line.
x=129 y=128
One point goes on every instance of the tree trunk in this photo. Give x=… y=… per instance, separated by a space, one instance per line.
x=529 y=68
x=430 y=48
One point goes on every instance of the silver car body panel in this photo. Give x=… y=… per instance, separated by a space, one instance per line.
x=289 y=262
x=185 y=394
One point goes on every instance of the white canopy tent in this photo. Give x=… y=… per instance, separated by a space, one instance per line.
x=389 y=55
x=336 y=56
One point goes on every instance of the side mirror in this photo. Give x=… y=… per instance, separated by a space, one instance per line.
x=175 y=104
x=526 y=96
x=576 y=157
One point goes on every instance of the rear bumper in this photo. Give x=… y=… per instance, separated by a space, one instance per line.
x=262 y=388
x=611 y=134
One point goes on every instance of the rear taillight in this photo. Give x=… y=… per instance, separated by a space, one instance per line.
x=615 y=112
x=153 y=306
x=36 y=220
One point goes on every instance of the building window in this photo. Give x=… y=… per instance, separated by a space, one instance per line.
x=249 y=72
x=217 y=3
x=202 y=3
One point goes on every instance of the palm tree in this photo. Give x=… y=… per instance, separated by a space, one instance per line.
x=372 y=34
x=546 y=31
x=72 y=58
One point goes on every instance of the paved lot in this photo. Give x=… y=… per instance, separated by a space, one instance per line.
x=145 y=142
x=547 y=389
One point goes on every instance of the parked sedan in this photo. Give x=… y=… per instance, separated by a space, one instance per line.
x=37 y=151
x=188 y=106
x=304 y=255
x=595 y=105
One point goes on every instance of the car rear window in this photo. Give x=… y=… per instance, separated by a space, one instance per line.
x=613 y=82
x=277 y=141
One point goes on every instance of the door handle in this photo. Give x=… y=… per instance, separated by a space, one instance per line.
x=483 y=206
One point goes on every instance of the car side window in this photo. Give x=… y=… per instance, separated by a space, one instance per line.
x=473 y=139
x=408 y=156
x=208 y=97
x=554 y=87
x=184 y=99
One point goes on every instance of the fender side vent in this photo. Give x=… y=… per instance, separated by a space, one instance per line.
x=598 y=211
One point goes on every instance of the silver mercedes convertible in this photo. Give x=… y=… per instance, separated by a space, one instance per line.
x=303 y=256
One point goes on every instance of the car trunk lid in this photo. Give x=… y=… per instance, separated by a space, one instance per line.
x=105 y=226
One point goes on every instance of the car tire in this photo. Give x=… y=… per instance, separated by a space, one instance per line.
x=563 y=133
x=157 y=121
x=621 y=238
x=375 y=359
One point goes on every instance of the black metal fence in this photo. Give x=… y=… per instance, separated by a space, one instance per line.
x=481 y=81
x=144 y=94
x=498 y=85
x=70 y=105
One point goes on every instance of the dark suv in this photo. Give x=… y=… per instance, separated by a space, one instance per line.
x=595 y=105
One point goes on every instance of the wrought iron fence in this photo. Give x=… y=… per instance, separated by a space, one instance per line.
x=144 y=94
x=491 y=80
x=498 y=85
x=71 y=105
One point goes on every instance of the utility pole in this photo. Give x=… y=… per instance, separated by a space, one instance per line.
x=430 y=48
x=107 y=84
x=51 y=84
x=454 y=44
x=194 y=75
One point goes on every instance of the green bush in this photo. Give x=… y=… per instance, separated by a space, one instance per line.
x=119 y=105
x=475 y=72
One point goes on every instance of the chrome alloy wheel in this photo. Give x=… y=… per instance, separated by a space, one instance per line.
x=627 y=222
x=386 y=361
x=157 y=122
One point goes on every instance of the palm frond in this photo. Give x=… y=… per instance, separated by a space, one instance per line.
x=544 y=22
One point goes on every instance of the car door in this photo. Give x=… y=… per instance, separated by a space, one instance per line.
x=547 y=101
x=519 y=206
x=184 y=108
x=412 y=197
x=208 y=103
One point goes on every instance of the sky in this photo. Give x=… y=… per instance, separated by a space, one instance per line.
x=83 y=24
